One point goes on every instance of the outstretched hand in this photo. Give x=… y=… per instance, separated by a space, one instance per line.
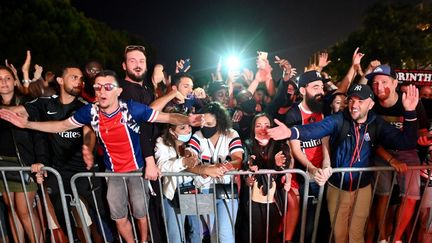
x=410 y=98
x=16 y=119
x=323 y=60
x=281 y=131
x=196 y=120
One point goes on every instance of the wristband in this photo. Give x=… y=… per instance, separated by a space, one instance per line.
x=25 y=81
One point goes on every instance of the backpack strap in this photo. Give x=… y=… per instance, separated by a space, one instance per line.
x=344 y=129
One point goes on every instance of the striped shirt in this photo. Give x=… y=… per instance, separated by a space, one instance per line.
x=121 y=145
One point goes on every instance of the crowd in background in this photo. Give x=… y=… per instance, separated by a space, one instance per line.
x=87 y=118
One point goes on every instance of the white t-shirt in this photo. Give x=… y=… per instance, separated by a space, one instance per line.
x=209 y=154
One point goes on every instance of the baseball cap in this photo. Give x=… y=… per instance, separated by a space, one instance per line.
x=215 y=86
x=381 y=70
x=362 y=91
x=308 y=77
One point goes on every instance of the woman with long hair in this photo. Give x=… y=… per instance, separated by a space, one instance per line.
x=171 y=157
x=267 y=191
x=18 y=147
x=220 y=150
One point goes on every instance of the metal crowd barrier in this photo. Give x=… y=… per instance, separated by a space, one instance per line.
x=378 y=170
x=304 y=199
x=30 y=205
x=88 y=175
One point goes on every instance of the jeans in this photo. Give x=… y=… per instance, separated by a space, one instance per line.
x=175 y=224
x=226 y=215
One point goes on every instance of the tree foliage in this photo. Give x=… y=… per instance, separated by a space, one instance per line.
x=396 y=34
x=57 y=33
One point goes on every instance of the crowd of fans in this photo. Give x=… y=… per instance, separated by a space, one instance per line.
x=85 y=118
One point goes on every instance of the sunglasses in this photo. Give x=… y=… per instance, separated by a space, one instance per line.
x=133 y=48
x=107 y=86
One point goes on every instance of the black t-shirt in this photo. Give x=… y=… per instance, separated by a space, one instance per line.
x=66 y=146
x=7 y=147
x=394 y=114
x=143 y=94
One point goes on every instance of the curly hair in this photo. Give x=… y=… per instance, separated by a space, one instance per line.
x=223 y=120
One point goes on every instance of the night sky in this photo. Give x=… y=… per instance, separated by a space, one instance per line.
x=203 y=30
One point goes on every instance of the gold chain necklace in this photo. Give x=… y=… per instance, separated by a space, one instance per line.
x=105 y=125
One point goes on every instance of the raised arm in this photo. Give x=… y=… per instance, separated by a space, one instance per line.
x=49 y=126
x=349 y=77
x=161 y=102
x=179 y=119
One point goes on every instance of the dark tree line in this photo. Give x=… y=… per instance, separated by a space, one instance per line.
x=397 y=34
x=57 y=33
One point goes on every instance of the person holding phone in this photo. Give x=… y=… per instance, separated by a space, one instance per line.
x=219 y=148
x=183 y=83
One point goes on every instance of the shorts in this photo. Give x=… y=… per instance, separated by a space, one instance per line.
x=15 y=186
x=409 y=182
x=132 y=190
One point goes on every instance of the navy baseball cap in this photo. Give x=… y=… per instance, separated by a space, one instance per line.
x=362 y=91
x=308 y=77
x=381 y=70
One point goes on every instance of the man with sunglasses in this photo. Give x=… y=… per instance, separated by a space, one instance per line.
x=116 y=124
x=66 y=156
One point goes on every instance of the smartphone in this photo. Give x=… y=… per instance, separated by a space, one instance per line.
x=228 y=166
x=186 y=64
x=262 y=56
x=189 y=100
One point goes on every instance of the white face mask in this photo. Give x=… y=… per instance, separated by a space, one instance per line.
x=262 y=141
x=184 y=137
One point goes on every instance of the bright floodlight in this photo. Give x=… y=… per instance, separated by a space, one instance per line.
x=233 y=62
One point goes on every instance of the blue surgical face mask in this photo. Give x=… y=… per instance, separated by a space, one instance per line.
x=184 y=137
